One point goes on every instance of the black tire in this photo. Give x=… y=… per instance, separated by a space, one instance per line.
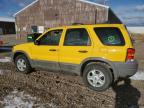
x=28 y=68
x=100 y=68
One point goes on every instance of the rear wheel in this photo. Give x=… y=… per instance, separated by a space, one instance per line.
x=97 y=77
x=22 y=64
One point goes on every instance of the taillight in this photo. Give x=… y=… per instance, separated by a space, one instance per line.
x=130 y=54
x=1 y=42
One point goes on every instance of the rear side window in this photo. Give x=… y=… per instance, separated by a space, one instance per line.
x=77 y=37
x=110 y=36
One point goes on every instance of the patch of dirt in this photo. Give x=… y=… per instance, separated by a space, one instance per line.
x=139 y=46
x=138 y=37
x=64 y=90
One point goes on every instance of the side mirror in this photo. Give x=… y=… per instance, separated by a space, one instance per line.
x=37 y=42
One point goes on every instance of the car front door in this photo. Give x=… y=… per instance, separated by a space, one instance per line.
x=45 y=54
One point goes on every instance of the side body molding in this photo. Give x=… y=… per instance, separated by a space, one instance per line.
x=75 y=67
x=39 y=64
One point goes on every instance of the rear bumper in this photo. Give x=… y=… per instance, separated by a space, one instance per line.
x=126 y=69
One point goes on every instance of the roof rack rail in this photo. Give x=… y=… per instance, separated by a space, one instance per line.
x=77 y=24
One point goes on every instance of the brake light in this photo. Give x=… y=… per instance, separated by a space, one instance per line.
x=1 y=42
x=130 y=54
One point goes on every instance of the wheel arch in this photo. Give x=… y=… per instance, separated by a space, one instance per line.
x=110 y=65
x=19 y=53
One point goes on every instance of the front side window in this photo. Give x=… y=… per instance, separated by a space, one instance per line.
x=110 y=36
x=51 y=38
x=77 y=37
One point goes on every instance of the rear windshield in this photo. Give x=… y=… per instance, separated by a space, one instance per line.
x=110 y=36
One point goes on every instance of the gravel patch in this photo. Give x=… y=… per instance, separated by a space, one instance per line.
x=56 y=90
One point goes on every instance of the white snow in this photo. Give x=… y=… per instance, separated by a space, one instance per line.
x=4 y=72
x=138 y=76
x=5 y=60
x=18 y=99
x=1 y=72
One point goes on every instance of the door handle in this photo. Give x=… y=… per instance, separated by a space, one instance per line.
x=82 y=51
x=52 y=50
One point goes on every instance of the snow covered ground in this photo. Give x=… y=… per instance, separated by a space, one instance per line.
x=4 y=72
x=138 y=76
x=5 y=60
x=17 y=99
x=139 y=30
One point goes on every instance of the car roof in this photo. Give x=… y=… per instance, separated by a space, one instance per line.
x=88 y=25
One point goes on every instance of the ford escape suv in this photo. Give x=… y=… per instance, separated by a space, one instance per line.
x=99 y=53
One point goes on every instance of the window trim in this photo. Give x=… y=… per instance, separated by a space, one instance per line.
x=51 y=31
x=110 y=44
x=77 y=45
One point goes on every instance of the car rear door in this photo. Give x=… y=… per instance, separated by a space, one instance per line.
x=115 y=39
x=75 y=47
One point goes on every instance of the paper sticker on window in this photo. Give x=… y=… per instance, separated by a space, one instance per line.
x=111 y=39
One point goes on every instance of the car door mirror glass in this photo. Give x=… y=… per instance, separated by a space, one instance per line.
x=37 y=42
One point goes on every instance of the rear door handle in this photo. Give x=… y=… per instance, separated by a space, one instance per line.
x=52 y=50
x=82 y=51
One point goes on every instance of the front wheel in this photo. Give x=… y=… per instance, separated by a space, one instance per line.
x=22 y=64
x=97 y=77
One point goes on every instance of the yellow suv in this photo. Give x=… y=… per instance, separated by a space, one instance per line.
x=99 y=53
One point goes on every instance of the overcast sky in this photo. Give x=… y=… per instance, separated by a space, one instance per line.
x=131 y=12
